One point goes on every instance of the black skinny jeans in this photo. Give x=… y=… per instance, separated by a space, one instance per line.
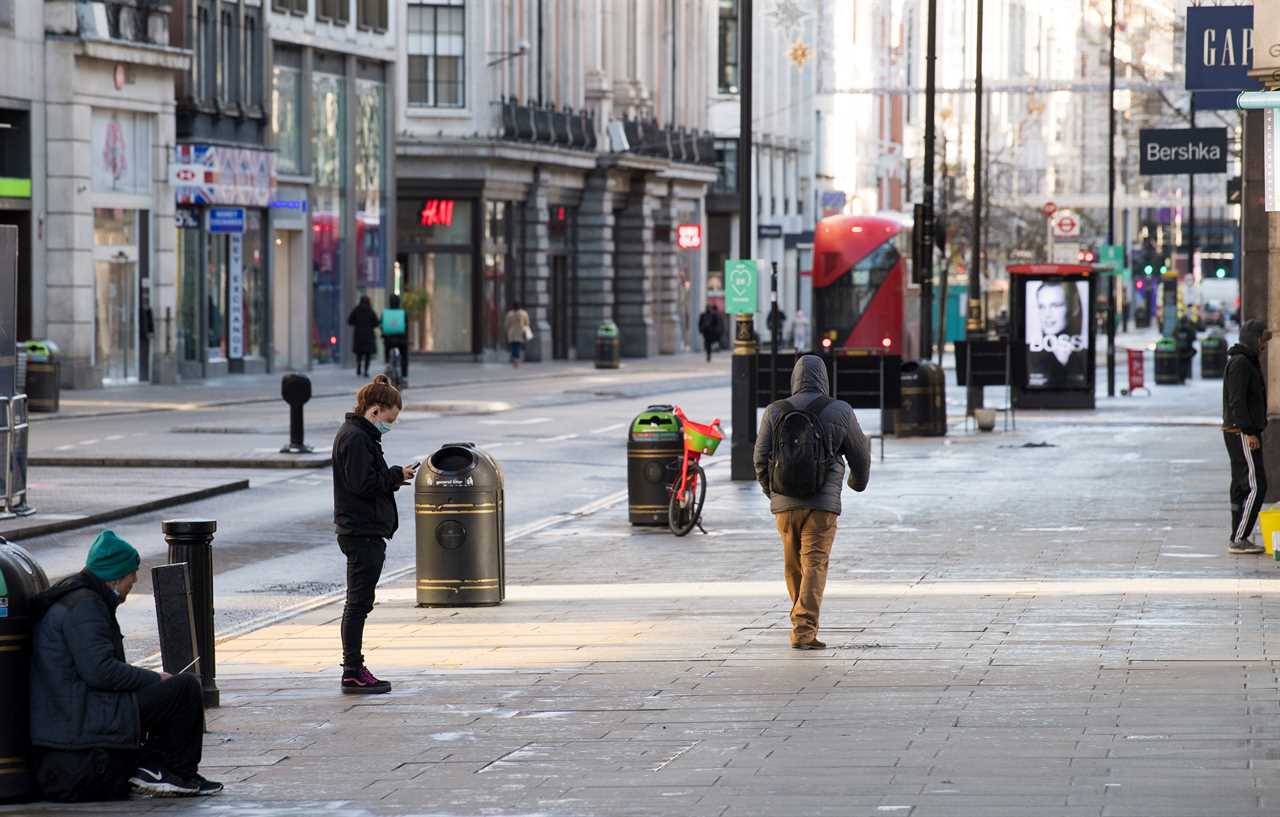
x=365 y=555
x=362 y=363
x=172 y=714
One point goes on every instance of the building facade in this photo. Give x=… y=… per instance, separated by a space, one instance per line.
x=547 y=152
x=332 y=217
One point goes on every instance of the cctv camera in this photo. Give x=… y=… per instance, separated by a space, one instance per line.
x=522 y=47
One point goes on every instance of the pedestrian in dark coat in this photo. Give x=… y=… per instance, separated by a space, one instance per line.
x=807 y=525
x=711 y=327
x=1244 y=418
x=363 y=341
x=99 y=725
x=364 y=513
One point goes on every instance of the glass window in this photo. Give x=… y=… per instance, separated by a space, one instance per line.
x=216 y=296
x=286 y=107
x=728 y=47
x=188 y=329
x=328 y=132
x=205 y=68
x=229 y=59
x=497 y=230
x=253 y=60
x=434 y=221
x=726 y=166
x=440 y=283
x=437 y=53
x=370 y=172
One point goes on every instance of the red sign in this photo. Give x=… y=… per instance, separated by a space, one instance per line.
x=1049 y=209
x=1137 y=369
x=437 y=213
x=689 y=236
x=1067 y=225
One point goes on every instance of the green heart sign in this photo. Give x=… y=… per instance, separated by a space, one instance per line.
x=740 y=277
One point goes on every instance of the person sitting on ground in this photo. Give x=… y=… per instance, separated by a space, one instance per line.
x=100 y=726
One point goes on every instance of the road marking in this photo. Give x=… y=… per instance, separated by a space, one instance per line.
x=89 y=442
x=66 y=447
x=607 y=429
x=558 y=439
x=116 y=437
x=532 y=421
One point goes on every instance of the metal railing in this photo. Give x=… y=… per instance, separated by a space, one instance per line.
x=13 y=411
x=548 y=125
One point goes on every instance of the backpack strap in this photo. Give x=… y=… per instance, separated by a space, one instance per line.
x=819 y=405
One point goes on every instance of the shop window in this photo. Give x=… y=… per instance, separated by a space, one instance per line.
x=372 y=14
x=337 y=12
x=726 y=166
x=6 y=14
x=298 y=7
x=229 y=59
x=252 y=61
x=437 y=53
x=728 y=47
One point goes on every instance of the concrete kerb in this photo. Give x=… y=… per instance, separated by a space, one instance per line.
x=298 y=462
x=39 y=528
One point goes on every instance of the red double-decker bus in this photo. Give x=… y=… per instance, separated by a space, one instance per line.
x=861 y=268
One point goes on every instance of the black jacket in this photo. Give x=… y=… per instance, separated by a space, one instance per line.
x=843 y=434
x=365 y=320
x=81 y=686
x=710 y=324
x=1244 y=392
x=364 y=487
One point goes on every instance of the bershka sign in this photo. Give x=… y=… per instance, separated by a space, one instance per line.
x=1180 y=151
x=1220 y=48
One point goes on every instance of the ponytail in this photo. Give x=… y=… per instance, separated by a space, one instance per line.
x=377 y=393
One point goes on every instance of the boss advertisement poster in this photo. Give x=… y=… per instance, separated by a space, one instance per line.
x=1057 y=333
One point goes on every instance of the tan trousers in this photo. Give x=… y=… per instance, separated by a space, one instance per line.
x=807 y=536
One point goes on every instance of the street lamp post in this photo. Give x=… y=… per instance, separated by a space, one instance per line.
x=1111 y=211
x=926 y=243
x=743 y=409
x=973 y=322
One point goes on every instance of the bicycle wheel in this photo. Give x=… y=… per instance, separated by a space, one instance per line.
x=684 y=514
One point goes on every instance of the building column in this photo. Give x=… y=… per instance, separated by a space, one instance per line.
x=164 y=346
x=595 y=260
x=536 y=289
x=667 y=283
x=634 y=262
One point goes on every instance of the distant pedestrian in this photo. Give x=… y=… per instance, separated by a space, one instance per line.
x=518 y=331
x=364 y=513
x=101 y=726
x=711 y=327
x=800 y=331
x=1244 y=418
x=800 y=455
x=1184 y=337
x=777 y=323
x=364 y=320
x=395 y=336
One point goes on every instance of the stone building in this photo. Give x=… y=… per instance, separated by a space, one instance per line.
x=547 y=153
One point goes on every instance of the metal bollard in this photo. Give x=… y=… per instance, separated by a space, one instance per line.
x=191 y=541
x=296 y=391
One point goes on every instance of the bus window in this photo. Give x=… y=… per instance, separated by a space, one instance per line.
x=841 y=304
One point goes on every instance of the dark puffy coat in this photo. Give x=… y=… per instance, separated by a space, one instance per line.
x=365 y=320
x=364 y=487
x=843 y=434
x=81 y=686
x=1244 y=392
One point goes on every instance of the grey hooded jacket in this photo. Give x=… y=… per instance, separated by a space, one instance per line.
x=844 y=435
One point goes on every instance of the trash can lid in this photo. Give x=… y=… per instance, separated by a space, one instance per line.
x=460 y=465
x=607 y=329
x=1166 y=344
x=40 y=350
x=655 y=422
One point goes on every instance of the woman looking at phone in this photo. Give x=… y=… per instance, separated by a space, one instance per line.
x=364 y=513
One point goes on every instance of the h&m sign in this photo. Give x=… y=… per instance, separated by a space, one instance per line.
x=1180 y=151
x=1220 y=48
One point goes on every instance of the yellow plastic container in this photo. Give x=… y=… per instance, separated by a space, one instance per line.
x=1269 y=521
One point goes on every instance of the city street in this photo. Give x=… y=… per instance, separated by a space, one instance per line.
x=1039 y=622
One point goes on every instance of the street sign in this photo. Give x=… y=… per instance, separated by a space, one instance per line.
x=740 y=277
x=1049 y=209
x=769 y=231
x=688 y=236
x=1065 y=224
x=1065 y=252
x=226 y=219
x=1181 y=151
x=1112 y=256
x=1220 y=48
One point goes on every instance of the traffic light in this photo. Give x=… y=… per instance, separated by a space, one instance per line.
x=1086 y=255
x=1148 y=269
x=1220 y=272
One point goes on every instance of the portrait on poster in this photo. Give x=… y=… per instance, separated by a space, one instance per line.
x=1056 y=334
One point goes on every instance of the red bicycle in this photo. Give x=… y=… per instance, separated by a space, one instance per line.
x=689 y=489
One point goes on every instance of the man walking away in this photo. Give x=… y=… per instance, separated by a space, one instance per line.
x=1244 y=417
x=711 y=328
x=395 y=335
x=800 y=455
x=100 y=726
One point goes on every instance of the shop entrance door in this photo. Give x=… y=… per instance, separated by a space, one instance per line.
x=117 y=326
x=562 y=307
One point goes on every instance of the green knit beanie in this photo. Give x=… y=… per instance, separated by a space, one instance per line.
x=111 y=557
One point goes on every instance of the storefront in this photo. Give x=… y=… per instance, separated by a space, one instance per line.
x=222 y=294
x=15 y=202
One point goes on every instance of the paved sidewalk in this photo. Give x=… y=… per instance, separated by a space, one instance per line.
x=1012 y=630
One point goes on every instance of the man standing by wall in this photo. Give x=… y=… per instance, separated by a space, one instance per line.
x=1244 y=417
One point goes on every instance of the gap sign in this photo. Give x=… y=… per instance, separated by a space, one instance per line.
x=1182 y=151
x=1220 y=48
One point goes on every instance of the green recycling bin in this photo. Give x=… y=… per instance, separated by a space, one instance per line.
x=44 y=371
x=608 y=346
x=655 y=445
x=1168 y=363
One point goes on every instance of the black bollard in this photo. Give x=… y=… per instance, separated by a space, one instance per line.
x=191 y=541
x=296 y=391
x=175 y=618
x=743 y=398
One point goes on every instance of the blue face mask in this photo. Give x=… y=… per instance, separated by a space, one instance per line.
x=382 y=427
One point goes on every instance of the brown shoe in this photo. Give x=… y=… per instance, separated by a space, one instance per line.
x=815 y=644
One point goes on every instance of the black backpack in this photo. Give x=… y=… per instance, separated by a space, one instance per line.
x=801 y=457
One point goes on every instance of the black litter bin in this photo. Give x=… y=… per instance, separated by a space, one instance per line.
x=21 y=578
x=461 y=529
x=1213 y=356
x=655 y=446
x=44 y=368
x=924 y=401
x=608 y=346
x=1168 y=363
